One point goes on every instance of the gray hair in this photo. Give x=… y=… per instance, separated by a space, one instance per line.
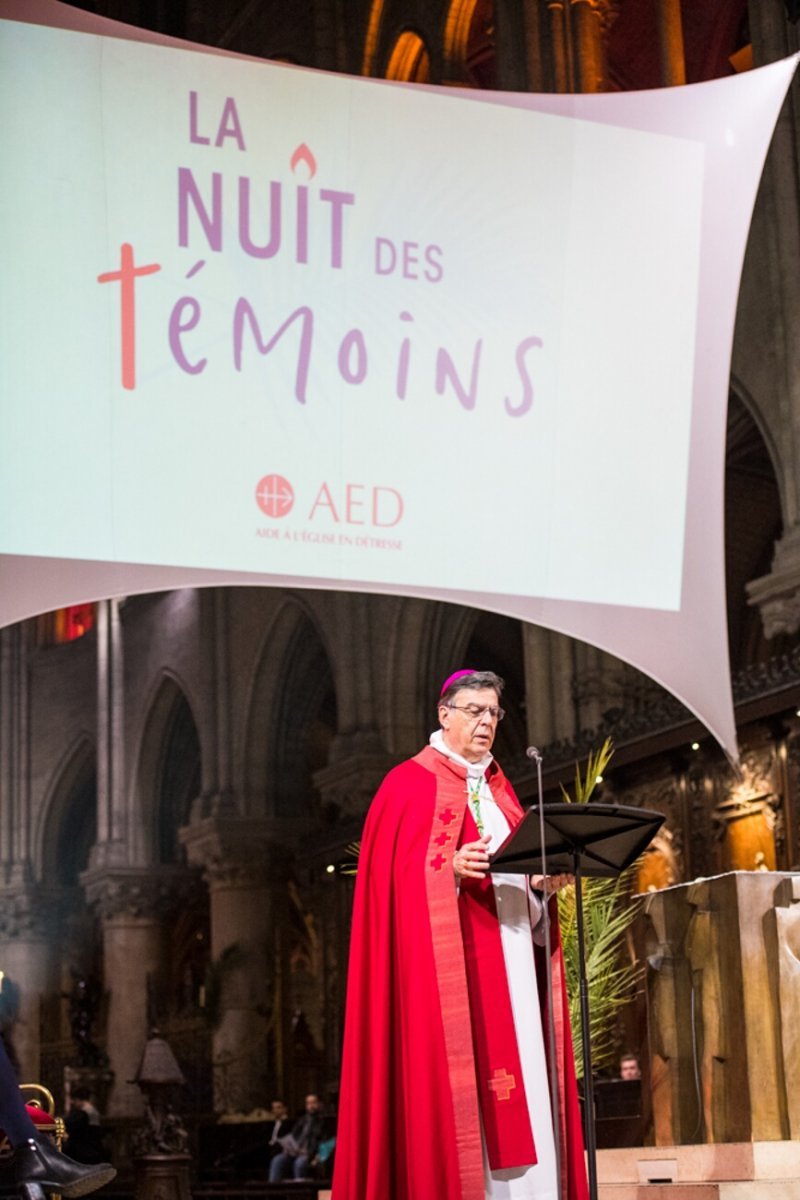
x=476 y=679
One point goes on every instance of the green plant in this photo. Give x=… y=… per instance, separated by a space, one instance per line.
x=612 y=975
x=349 y=866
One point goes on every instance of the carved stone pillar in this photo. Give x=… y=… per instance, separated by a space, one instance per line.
x=111 y=849
x=243 y=869
x=549 y=672
x=587 y=23
x=353 y=777
x=777 y=595
x=133 y=906
x=217 y=797
x=27 y=926
x=558 y=11
x=14 y=756
x=537 y=76
x=670 y=43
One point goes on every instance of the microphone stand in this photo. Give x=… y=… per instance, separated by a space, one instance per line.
x=536 y=757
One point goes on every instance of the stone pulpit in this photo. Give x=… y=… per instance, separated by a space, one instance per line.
x=723 y=994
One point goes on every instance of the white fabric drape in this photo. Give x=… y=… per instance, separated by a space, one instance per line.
x=519 y=910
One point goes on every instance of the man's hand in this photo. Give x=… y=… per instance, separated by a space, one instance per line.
x=471 y=861
x=551 y=883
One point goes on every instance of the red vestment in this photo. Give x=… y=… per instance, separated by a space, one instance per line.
x=409 y=1127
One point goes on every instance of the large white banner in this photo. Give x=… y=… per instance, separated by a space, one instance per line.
x=274 y=325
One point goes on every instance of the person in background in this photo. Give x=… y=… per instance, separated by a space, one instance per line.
x=300 y=1147
x=82 y=1122
x=629 y=1067
x=281 y=1126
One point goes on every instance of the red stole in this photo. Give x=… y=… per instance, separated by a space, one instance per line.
x=501 y=1090
x=498 y=1073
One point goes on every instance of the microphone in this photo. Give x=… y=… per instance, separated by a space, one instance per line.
x=532 y=753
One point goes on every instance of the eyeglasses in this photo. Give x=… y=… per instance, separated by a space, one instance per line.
x=476 y=711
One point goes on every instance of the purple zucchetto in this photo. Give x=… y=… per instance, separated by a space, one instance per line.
x=456 y=675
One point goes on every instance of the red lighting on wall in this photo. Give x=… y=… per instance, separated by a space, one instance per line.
x=64 y=625
x=78 y=620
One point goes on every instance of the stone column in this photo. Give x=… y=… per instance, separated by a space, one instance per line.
x=133 y=906
x=537 y=76
x=766 y=358
x=587 y=23
x=549 y=673
x=559 y=11
x=243 y=869
x=217 y=795
x=670 y=43
x=14 y=756
x=26 y=928
x=111 y=849
x=777 y=595
x=27 y=924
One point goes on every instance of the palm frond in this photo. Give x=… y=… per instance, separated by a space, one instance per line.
x=596 y=763
x=608 y=912
x=349 y=866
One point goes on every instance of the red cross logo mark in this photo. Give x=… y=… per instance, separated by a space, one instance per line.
x=443 y=839
x=438 y=862
x=274 y=495
x=447 y=816
x=502 y=1084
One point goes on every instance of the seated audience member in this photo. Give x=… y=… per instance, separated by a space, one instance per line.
x=299 y=1148
x=281 y=1126
x=82 y=1123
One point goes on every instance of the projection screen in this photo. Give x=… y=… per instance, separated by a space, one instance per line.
x=269 y=325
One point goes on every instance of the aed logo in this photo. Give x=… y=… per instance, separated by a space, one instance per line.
x=350 y=504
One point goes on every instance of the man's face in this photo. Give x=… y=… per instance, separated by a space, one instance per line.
x=629 y=1069
x=466 y=734
x=312 y=1104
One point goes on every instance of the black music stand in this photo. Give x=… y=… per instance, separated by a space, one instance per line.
x=584 y=840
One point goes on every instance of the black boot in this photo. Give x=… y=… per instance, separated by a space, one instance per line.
x=38 y=1162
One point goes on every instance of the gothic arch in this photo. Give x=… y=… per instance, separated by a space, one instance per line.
x=409 y=60
x=167 y=776
x=428 y=640
x=468 y=46
x=753 y=523
x=496 y=644
x=372 y=37
x=740 y=392
x=291 y=715
x=67 y=825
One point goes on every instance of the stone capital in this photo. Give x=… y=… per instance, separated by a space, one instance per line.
x=233 y=852
x=28 y=913
x=350 y=783
x=135 y=892
x=777 y=595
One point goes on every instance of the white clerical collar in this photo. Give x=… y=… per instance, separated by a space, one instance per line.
x=474 y=769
